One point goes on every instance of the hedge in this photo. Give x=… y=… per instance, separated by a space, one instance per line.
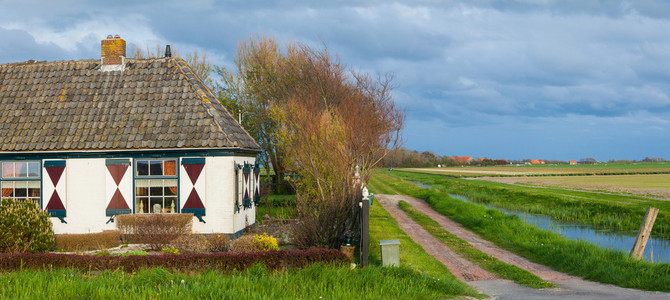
x=274 y=260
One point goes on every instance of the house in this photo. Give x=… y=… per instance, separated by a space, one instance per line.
x=573 y=162
x=462 y=159
x=91 y=139
x=537 y=162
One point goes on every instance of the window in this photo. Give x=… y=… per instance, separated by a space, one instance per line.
x=156 y=186
x=21 y=181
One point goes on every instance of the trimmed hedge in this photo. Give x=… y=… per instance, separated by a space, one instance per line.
x=273 y=260
x=88 y=241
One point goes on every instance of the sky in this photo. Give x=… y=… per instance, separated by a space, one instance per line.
x=514 y=79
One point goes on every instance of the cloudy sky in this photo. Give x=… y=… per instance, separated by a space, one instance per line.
x=548 y=79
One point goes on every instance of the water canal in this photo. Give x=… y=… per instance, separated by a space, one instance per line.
x=657 y=249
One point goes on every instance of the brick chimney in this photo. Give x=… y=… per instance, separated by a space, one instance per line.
x=113 y=54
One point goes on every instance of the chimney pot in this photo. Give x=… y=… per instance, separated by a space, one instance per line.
x=109 y=36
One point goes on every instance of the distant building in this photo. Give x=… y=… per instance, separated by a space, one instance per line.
x=462 y=159
x=537 y=162
x=573 y=162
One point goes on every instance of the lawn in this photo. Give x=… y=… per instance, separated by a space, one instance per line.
x=509 y=232
x=314 y=282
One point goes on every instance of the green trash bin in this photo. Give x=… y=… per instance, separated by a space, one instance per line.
x=390 y=250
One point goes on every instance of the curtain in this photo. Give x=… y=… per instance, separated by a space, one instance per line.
x=6 y=192
x=170 y=167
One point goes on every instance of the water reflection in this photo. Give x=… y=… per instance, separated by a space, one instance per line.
x=657 y=250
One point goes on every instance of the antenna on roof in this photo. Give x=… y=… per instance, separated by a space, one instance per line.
x=168 y=53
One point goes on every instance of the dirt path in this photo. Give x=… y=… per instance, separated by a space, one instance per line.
x=462 y=268
x=571 y=287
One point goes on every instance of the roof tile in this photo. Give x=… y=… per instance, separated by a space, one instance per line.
x=71 y=105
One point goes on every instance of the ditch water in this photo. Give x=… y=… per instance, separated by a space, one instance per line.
x=657 y=250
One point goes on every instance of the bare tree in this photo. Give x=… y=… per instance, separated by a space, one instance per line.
x=334 y=124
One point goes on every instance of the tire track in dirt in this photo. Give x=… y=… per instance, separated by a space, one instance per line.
x=483 y=245
x=460 y=267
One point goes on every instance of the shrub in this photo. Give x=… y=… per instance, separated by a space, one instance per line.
x=24 y=227
x=171 y=250
x=88 y=241
x=190 y=243
x=129 y=262
x=254 y=243
x=157 y=230
x=266 y=242
x=218 y=243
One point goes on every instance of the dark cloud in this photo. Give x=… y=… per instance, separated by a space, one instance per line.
x=478 y=77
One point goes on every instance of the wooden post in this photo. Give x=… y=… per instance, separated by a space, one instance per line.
x=644 y=233
x=365 y=231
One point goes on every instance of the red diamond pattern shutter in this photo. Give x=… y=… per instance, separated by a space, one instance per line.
x=118 y=186
x=257 y=185
x=54 y=184
x=193 y=187
x=246 y=186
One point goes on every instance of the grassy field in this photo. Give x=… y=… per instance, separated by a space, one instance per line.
x=315 y=282
x=551 y=170
x=509 y=232
x=622 y=212
x=611 y=182
x=471 y=253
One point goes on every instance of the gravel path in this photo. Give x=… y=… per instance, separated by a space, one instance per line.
x=571 y=287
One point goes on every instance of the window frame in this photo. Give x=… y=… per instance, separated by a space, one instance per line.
x=38 y=178
x=150 y=178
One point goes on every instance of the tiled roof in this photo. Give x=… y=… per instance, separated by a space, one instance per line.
x=72 y=105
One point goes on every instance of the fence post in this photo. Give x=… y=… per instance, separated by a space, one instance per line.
x=365 y=231
x=644 y=232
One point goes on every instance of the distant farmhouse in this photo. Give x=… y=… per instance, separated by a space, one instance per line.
x=462 y=159
x=91 y=139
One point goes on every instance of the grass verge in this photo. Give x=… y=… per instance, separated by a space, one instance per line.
x=600 y=209
x=474 y=255
x=315 y=282
x=384 y=227
x=578 y=258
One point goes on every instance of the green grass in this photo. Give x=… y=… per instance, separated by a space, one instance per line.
x=384 y=227
x=474 y=255
x=603 y=210
x=578 y=258
x=314 y=282
x=283 y=207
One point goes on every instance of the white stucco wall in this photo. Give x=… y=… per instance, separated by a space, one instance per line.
x=86 y=197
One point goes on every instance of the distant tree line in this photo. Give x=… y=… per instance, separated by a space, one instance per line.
x=407 y=158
